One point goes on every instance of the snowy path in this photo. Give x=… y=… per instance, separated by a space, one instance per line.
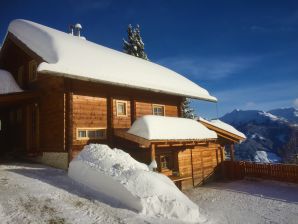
x=248 y=201
x=32 y=193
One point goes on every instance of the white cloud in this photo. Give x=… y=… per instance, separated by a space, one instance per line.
x=208 y=68
x=250 y=105
x=295 y=103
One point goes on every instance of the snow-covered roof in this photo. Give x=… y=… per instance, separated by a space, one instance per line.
x=8 y=83
x=153 y=127
x=224 y=126
x=70 y=56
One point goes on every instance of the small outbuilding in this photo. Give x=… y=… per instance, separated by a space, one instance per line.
x=228 y=136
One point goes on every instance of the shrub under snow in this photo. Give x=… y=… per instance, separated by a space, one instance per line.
x=116 y=174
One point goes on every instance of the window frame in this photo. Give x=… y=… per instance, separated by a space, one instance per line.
x=32 y=70
x=117 y=111
x=91 y=129
x=159 y=106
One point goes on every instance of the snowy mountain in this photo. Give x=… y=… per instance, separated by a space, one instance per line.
x=290 y=114
x=270 y=135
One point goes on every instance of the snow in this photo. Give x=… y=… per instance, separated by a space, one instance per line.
x=266 y=157
x=116 y=174
x=73 y=57
x=153 y=127
x=239 y=117
x=224 y=126
x=247 y=201
x=257 y=136
x=32 y=193
x=8 y=83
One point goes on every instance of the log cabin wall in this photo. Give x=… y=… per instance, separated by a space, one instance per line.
x=121 y=121
x=201 y=162
x=89 y=113
x=51 y=113
x=146 y=107
x=19 y=60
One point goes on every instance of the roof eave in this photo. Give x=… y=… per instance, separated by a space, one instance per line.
x=205 y=98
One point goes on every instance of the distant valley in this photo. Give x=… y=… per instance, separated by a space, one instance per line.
x=272 y=136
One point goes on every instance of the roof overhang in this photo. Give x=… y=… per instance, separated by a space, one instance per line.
x=167 y=131
x=145 y=143
x=131 y=72
x=19 y=98
x=228 y=136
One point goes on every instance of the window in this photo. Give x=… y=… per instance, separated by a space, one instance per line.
x=91 y=133
x=164 y=162
x=20 y=75
x=32 y=70
x=121 y=108
x=159 y=110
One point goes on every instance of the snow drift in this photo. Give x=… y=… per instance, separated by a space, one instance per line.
x=117 y=175
x=8 y=83
x=154 y=127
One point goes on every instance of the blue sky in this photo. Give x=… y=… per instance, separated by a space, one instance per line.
x=244 y=52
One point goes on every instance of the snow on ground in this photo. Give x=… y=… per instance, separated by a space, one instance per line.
x=116 y=174
x=247 y=201
x=32 y=193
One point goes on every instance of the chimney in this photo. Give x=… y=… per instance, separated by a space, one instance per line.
x=78 y=28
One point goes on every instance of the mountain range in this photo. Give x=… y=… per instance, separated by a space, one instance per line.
x=272 y=136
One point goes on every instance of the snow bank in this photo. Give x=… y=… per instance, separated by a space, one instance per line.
x=224 y=126
x=266 y=157
x=8 y=83
x=117 y=175
x=153 y=127
x=73 y=57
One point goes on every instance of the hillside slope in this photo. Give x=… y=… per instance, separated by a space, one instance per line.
x=270 y=136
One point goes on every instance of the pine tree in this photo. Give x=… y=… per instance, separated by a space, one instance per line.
x=187 y=111
x=134 y=44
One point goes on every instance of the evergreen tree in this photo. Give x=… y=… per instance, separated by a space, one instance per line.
x=134 y=44
x=187 y=111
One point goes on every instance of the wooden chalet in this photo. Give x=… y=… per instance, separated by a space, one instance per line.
x=74 y=92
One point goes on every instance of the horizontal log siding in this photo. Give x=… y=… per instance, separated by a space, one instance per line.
x=145 y=108
x=51 y=113
x=121 y=121
x=88 y=112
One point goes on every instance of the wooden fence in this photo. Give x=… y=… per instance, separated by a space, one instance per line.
x=241 y=169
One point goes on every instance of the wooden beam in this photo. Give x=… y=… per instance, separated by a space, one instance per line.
x=133 y=116
x=69 y=124
x=152 y=148
x=122 y=133
x=20 y=98
x=110 y=117
x=192 y=170
x=232 y=152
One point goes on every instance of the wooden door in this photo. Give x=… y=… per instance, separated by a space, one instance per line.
x=32 y=124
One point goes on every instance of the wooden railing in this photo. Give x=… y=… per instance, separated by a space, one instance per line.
x=241 y=169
